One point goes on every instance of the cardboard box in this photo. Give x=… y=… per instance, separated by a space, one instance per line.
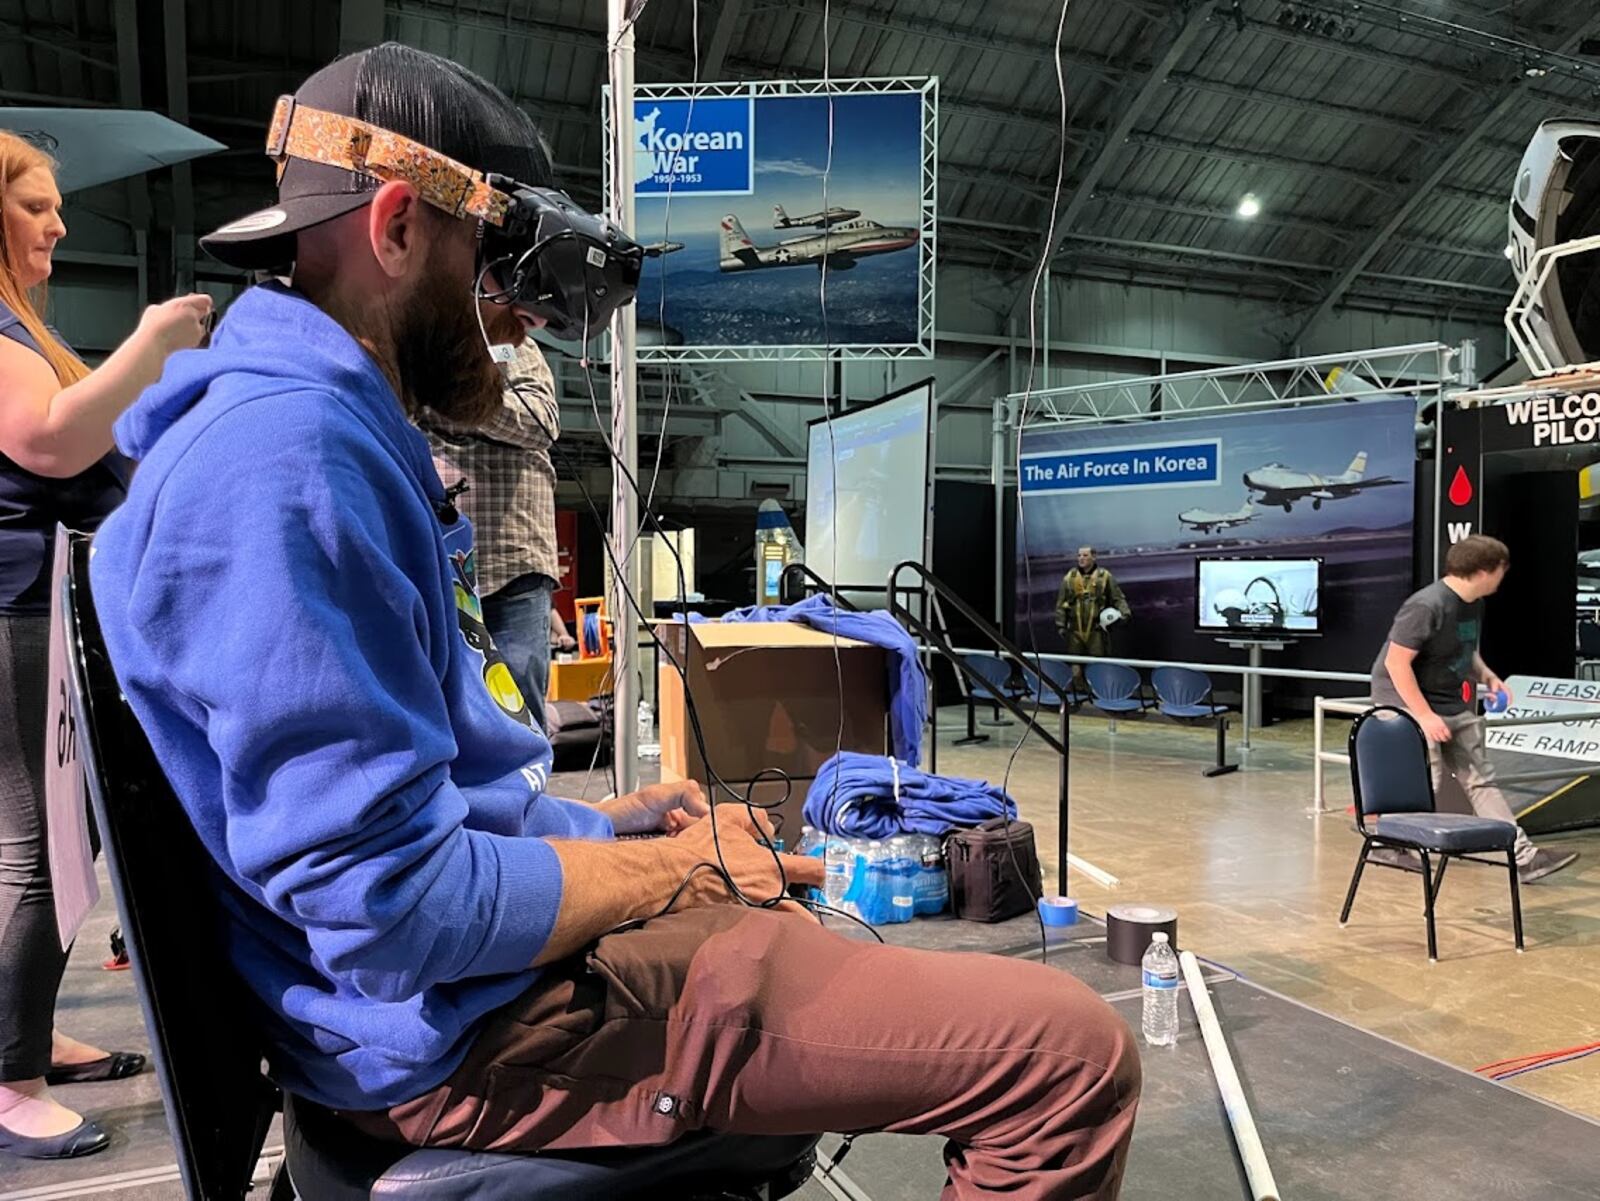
x=768 y=696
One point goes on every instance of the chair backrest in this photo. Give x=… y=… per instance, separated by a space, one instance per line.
x=1389 y=770
x=1181 y=685
x=993 y=670
x=208 y=1060
x=1112 y=681
x=1042 y=689
x=1058 y=673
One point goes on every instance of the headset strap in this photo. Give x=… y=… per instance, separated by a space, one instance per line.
x=354 y=145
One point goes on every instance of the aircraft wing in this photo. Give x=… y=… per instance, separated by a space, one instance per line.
x=1381 y=481
x=1276 y=496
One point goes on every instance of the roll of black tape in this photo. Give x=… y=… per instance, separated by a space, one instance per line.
x=1129 y=927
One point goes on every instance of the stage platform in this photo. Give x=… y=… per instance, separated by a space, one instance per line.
x=1345 y=1115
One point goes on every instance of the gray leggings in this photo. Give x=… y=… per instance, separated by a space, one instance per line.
x=31 y=958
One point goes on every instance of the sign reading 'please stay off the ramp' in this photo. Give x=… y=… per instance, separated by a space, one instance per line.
x=1543 y=696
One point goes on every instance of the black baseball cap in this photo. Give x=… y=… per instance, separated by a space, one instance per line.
x=410 y=92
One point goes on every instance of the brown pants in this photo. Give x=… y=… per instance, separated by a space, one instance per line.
x=755 y=1022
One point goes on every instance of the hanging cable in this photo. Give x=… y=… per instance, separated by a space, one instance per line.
x=1040 y=273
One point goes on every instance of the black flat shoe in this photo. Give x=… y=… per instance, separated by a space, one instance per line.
x=83 y=1139
x=116 y=1066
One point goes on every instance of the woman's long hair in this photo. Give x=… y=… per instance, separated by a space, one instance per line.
x=17 y=157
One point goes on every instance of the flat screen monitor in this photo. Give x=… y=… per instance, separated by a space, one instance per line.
x=1268 y=597
x=867 y=499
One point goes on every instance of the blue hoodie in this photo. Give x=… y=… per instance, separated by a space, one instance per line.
x=286 y=613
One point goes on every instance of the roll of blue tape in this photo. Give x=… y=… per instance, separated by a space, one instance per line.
x=1058 y=911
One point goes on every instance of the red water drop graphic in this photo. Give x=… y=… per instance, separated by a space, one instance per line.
x=1467 y=691
x=1460 y=487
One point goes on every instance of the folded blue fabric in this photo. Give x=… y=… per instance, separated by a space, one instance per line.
x=908 y=685
x=870 y=796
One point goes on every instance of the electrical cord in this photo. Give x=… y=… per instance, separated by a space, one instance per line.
x=746 y=798
x=670 y=378
x=692 y=710
x=1042 y=272
x=1505 y=1069
x=827 y=421
x=502 y=296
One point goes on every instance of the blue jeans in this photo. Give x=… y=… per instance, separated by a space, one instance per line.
x=518 y=617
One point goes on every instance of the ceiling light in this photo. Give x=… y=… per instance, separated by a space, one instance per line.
x=1509 y=252
x=1249 y=207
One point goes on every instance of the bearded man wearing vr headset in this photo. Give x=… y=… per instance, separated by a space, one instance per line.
x=439 y=951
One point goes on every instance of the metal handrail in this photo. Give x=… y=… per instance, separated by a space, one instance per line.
x=1005 y=649
x=802 y=576
x=938 y=640
x=1237 y=669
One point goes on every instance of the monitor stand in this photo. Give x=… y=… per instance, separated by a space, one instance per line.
x=1252 y=682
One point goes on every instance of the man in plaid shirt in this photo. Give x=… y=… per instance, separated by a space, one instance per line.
x=511 y=502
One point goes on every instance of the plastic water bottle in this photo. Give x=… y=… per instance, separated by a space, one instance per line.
x=1160 y=968
x=840 y=863
x=873 y=875
x=872 y=886
x=931 y=888
x=902 y=873
x=649 y=748
x=811 y=845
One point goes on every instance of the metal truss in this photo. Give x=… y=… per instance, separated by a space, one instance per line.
x=1423 y=369
x=1579 y=381
x=928 y=88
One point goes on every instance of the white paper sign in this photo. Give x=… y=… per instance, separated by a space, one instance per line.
x=1544 y=696
x=65 y=796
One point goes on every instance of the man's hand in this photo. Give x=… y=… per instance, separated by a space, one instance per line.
x=750 y=863
x=1434 y=726
x=657 y=808
x=1495 y=684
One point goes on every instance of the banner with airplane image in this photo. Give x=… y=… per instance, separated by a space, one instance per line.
x=785 y=219
x=1328 y=481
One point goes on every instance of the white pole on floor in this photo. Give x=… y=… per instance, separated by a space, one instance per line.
x=1256 y=1169
x=624 y=419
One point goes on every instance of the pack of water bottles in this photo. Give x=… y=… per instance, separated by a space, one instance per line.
x=881 y=881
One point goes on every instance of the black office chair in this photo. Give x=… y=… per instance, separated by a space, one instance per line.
x=208 y=1055
x=1392 y=783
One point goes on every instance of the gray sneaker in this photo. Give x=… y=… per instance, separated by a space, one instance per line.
x=1544 y=863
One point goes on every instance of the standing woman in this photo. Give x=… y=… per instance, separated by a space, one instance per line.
x=56 y=464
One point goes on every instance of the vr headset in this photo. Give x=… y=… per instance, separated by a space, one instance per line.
x=552 y=259
x=537 y=250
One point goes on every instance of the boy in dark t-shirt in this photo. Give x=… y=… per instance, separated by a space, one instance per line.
x=1430 y=666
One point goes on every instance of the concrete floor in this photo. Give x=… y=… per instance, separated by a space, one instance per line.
x=1257 y=884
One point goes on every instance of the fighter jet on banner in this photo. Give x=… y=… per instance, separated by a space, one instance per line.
x=831 y=216
x=1209 y=523
x=1280 y=485
x=840 y=246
